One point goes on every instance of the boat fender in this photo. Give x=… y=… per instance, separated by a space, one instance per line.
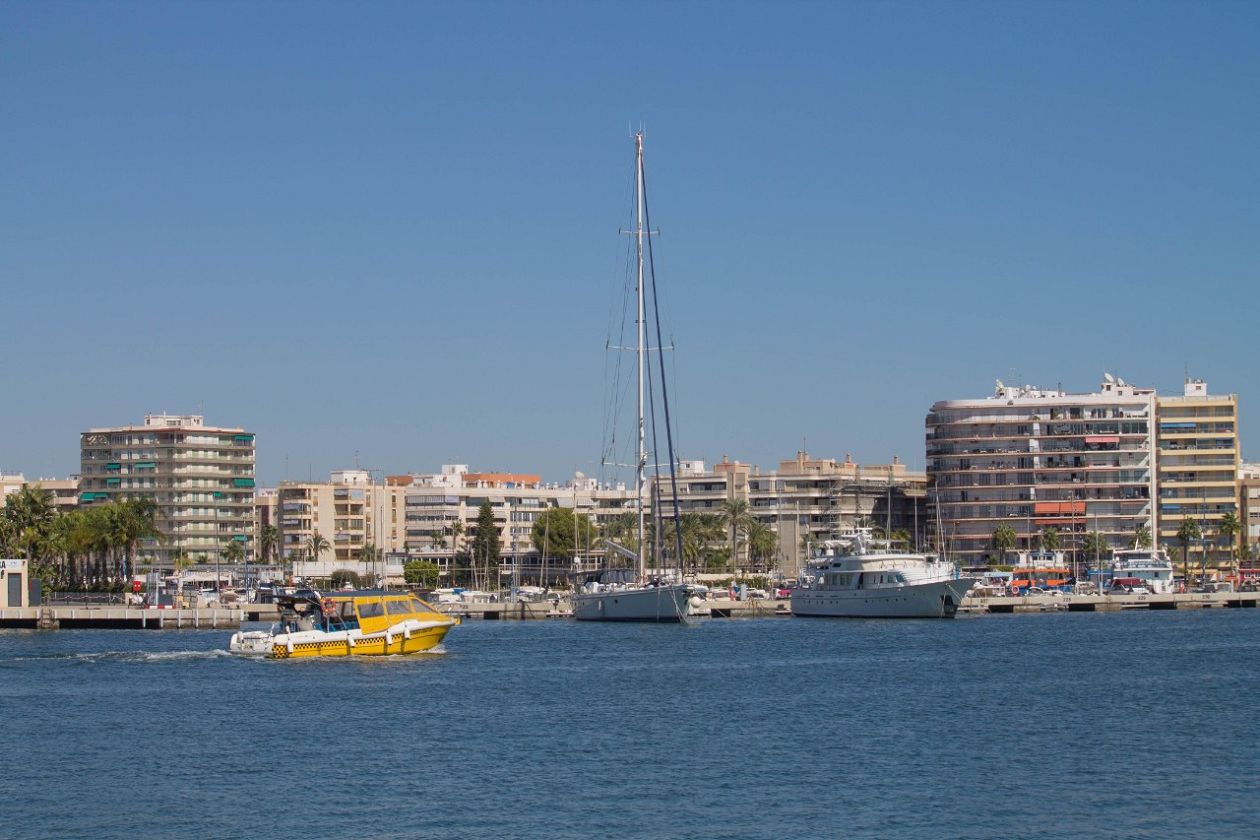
x=289 y=644
x=350 y=639
x=389 y=640
x=406 y=632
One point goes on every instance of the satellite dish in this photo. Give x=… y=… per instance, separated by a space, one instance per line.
x=1107 y=377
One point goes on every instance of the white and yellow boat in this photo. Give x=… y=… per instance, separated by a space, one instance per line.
x=359 y=623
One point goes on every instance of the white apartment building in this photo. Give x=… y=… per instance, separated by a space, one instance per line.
x=1035 y=458
x=201 y=477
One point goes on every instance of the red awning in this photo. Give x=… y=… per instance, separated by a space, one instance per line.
x=1102 y=439
x=1061 y=508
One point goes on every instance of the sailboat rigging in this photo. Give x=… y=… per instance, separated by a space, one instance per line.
x=645 y=598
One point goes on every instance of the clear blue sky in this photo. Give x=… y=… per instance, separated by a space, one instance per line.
x=391 y=228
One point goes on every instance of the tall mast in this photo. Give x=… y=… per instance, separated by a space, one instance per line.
x=641 y=328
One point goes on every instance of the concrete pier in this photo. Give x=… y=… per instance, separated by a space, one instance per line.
x=1105 y=603
x=52 y=617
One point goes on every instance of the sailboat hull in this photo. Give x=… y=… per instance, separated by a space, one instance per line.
x=648 y=603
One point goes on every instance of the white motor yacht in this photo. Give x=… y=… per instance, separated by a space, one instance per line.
x=1149 y=565
x=853 y=578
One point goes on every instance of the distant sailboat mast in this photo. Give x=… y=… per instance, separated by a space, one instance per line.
x=641 y=329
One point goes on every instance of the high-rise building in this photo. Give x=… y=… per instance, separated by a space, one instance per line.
x=201 y=477
x=1198 y=469
x=1034 y=459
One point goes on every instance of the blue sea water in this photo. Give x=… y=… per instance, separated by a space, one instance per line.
x=1081 y=725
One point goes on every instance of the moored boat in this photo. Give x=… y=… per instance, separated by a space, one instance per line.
x=641 y=594
x=1149 y=566
x=357 y=623
x=853 y=579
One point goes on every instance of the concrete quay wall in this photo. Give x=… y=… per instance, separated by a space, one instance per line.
x=1106 y=603
x=119 y=618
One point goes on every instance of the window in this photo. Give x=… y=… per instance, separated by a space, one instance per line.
x=371 y=609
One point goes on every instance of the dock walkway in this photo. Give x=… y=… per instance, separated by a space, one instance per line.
x=1106 y=603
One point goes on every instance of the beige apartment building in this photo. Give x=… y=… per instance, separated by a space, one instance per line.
x=201 y=477
x=807 y=500
x=1199 y=460
x=426 y=517
x=65 y=491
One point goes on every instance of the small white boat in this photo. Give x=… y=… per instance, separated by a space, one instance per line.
x=852 y=579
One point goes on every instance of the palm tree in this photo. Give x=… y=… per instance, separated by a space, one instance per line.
x=737 y=517
x=1142 y=536
x=762 y=542
x=1004 y=539
x=1229 y=527
x=268 y=540
x=135 y=523
x=233 y=553
x=1050 y=539
x=1095 y=546
x=1186 y=534
x=317 y=545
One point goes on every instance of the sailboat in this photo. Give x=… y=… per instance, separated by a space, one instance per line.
x=634 y=594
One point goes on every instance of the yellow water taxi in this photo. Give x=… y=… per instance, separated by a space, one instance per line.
x=358 y=623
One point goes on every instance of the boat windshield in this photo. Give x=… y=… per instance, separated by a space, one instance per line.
x=399 y=607
x=371 y=609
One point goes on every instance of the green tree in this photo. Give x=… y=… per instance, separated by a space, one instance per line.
x=737 y=517
x=559 y=533
x=268 y=541
x=762 y=543
x=1050 y=539
x=1229 y=527
x=233 y=551
x=1142 y=536
x=1003 y=540
x=341 y=577
x=1187 y=534
x=1096 y=548
x=485 y=547
x=316 y=545
x=421 y=573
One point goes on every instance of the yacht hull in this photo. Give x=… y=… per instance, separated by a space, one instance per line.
x=649 y=603
x=939 y=599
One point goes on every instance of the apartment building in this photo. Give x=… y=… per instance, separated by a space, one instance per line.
x=807 y=500
x=442 y=511
x=1198 y=460
x=65 y=491
x=201 y=477
x=350 y=511
x=1035 y=459
x=1249 y=496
